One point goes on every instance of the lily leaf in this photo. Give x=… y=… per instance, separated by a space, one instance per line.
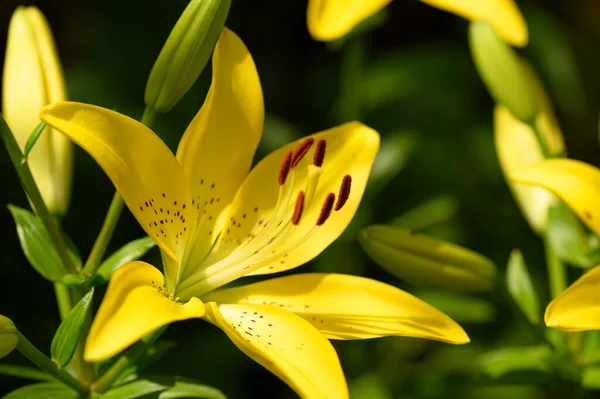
x=521 y=288
x=432 y=212
x=462 y=308
x=67 y=336
x=129 y=252
x=43 y=390
x=186 y=389
x=25 y=372
x=168 y=386
x=517 y=365
x=36 y=244
x=134 y=389
x=567 y=236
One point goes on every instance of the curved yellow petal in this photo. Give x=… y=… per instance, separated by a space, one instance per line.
x=284 y=344
x=348 y=307
x=32 y=79
x=332 y=19
x=575 y=182
x=217 y=148
x=578 y=307
x=517 y=147
x=254 y=241
x=139 y=164
x=503 y=15
x=134 y=305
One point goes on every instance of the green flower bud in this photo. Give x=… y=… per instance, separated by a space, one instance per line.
x=186 y=52
x=427 y=261
x=502 y=71
x=8 y=336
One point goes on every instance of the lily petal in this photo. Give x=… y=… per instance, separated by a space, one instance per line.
x=135 y=304
x=503 y=15
x=140 y=165
x=32 y=79
x=348 y=307
x=575 y=182
x=284 y=344
x=578 y=307
x=332 y=19
x=217 y=148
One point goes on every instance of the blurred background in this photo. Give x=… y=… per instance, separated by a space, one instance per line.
x=410 y=77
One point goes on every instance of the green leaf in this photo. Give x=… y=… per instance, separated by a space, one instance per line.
x=36 y=244
x=129 y=252
x=43 y=390
x=25 y=372
x=460 y=307
x=67 y=336
x=591 y=378
x=134 y=389
x=567 y=236
x=75 y=279
x=432 y=212
x=186 y=389
x=33 y=138
x=521 y=288
x=517 y=365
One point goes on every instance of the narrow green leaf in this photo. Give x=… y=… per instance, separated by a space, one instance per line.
x=517 y=365
x=74 y=279
x=134 y=389
x=25 y=372
x=185 y=389
x=521 y=288
x=36 y=244
x=432 y=212
x=33 y=138
x=460 y=307
x=67 y=336
x=567 y=236
x=43 y=390
x=129 y=252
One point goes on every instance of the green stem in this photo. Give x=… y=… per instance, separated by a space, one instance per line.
x=63 y=299
x=39 y=359
x=557 y=274
x=127 y=359
x=349 y=102
x=106 y=232
x=22 y=168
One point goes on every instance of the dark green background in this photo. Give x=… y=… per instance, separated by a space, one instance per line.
x=417 y=81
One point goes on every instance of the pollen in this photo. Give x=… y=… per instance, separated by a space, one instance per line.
x=344 y=192
x=326 y=209
x=301 y=151
x=285 y=168
x=319 y=153
x=298 y=208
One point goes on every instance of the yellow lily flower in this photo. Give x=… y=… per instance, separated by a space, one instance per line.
x=578 y=307
x=32 y=79
x=215 y=222
x=332 y=19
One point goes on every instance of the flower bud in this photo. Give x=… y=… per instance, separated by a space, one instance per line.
x=186 y=52
x=427 y=261
x=8 y=336
x=33 y=79
x=502 y=71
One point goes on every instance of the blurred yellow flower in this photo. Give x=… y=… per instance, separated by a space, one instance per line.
x=215 y=222
x=332 y=19
x=33 y=79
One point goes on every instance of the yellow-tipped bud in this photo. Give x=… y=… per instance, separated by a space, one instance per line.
x=502 y=71
x=8 y=336
x=33 y=79
x=427 y=261
x=186 y=52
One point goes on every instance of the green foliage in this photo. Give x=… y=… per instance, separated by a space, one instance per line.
x=520 y=287
x=43 y=390
x=25 y=372
x=129 y=252
x=169 y=388
x=517 y=365
x=567 y=236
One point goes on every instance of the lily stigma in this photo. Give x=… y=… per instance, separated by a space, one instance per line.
x=215 y=223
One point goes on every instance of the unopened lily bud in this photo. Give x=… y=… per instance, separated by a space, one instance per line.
x=186 y=52
x=502 y=71
x=427 y=261
x=8 y=336
x=33 y=79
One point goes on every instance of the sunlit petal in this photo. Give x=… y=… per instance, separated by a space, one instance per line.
x=217 y=148
x=139 y=164
x=578 y=308
x=503 y=15
x=575 y=182
x=284 y=344
x=135 y=304
x=332 y=19
x=348 y=307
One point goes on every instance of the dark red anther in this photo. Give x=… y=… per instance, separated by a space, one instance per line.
x=301 y=151
x=319 y=153
x=344 y=192
x=285 y=168
x=298 y=209
x=326 y=209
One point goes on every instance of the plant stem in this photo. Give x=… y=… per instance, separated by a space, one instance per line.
x=557 y=274
x=39 y=359
x=63 y=299
x=31 y=188
x=349 y=102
